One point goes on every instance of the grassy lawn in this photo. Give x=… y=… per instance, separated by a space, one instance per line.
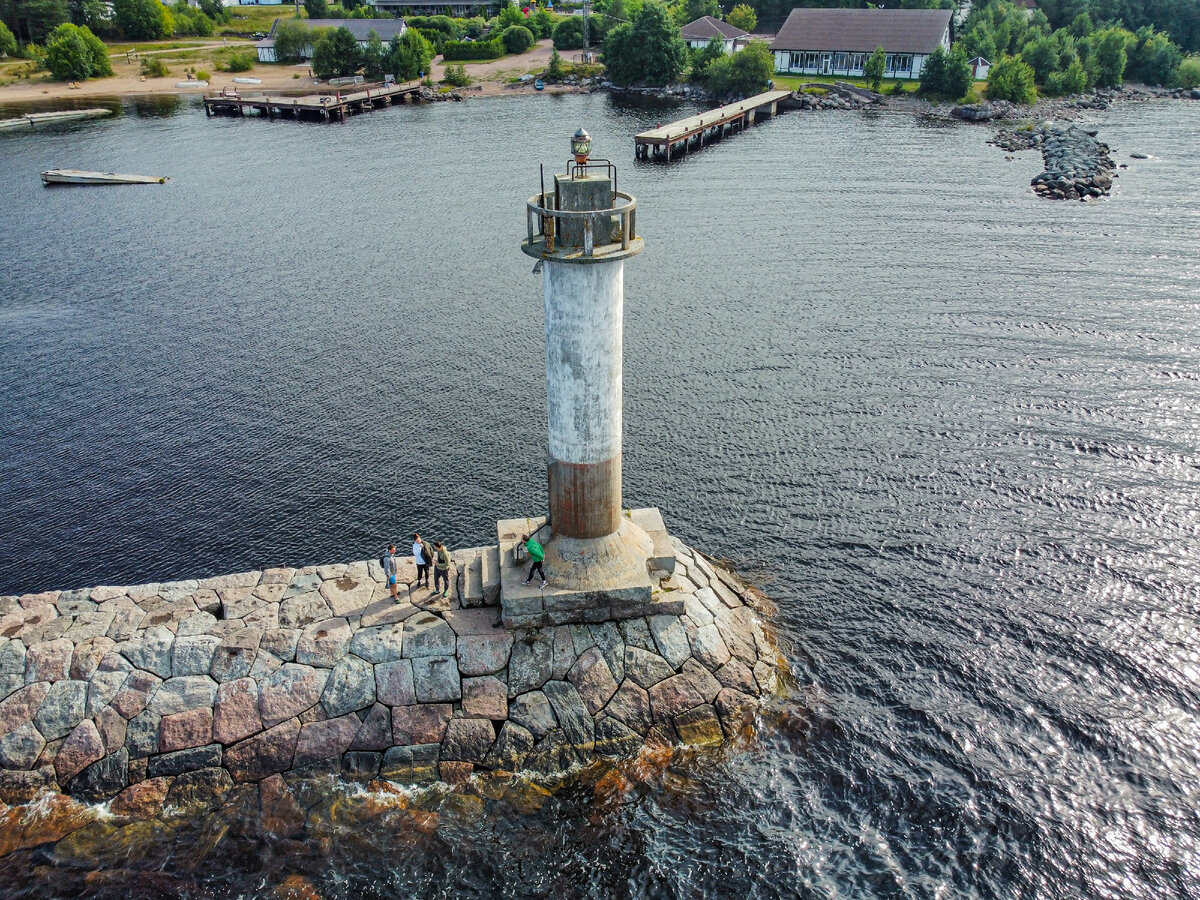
x=792 y=82
x=257 y=18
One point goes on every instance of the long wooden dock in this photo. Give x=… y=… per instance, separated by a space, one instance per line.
x=330 y=107
x=695 y=132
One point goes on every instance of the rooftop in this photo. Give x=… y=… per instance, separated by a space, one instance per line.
x=896 y=30
x=706 y=28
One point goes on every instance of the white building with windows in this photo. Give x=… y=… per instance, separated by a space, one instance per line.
x=840 y=41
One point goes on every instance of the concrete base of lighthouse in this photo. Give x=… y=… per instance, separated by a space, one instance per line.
x=594 y=580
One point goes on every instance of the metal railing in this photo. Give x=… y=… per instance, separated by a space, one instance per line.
x=543 y=221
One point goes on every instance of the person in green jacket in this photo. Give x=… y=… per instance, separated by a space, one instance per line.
x=537 y=554
x=441 y=568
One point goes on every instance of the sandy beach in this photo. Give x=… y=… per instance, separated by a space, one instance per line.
x=490 y=79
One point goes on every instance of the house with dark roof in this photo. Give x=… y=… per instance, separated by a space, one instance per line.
x=699 y=33
x=840 y=41
x=360 y=28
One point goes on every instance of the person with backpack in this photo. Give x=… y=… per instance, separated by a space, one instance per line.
x=441 y=568
x=388 y=562
x=423 y=557
x=537 y=554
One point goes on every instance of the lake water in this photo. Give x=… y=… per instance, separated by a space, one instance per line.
x=952 y=429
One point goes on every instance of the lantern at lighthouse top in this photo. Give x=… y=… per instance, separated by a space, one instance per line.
x=581 y=146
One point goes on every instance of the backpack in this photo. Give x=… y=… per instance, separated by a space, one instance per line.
x=383 y=562
x=427 y=552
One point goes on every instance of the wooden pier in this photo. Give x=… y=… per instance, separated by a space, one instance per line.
x=331 y=107
x=695 y=132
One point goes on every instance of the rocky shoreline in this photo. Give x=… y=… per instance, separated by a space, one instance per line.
x=146 y=693
x=1078 y=167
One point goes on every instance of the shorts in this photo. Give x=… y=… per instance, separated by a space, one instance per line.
x=391 y=580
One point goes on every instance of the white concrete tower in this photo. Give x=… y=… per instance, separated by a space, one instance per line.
x=583 y=231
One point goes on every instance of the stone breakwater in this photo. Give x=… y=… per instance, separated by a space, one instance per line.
x=193 y=686
x=1078 y=167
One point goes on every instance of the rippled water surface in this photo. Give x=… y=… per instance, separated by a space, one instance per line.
x=951 y=428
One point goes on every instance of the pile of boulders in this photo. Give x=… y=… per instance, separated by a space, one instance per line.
x=1078 y=167
x=836 y=96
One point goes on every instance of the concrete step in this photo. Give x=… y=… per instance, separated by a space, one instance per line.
x=489 y=571
x=472 y=595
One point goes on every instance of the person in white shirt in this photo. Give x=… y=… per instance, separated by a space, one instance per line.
x=421 y=560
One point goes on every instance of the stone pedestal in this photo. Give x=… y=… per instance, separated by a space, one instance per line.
x=595 y=580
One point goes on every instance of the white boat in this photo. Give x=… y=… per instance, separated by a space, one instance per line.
x=32 y=120
x=191 y=84
x=247 y=81
x=75 y=176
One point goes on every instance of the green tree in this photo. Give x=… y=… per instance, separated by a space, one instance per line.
x=1188 y=73
x=291 y=40
x=8 y=43
x=1154 y=59
x=336 y=54
x=691 y=10
x=508 y=17
x=316 y=9
x=648 y=51
x=73 y=53
x=932 y=72
x=703 y=57
x=92 y=13
x=541 y=23
x=555 y=70
x=32 y=20
x=741 y=74
x=1011 y=79
x=1081 y=25
x=517 y=39
x=742 y=16
x=216 y=10
x=408 y=55
x=1071 y=80
x=568 y=34
x=1041 y=55
x=873 y=69
x=142 y=20
x=1109 y=55
x=373 y=57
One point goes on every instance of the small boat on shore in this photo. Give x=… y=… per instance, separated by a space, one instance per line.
x=191 y=84
x=247 y=81
x=75 y=176
x=538 y=85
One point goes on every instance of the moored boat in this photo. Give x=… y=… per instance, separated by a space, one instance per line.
x=538 y=85
x=76 y=176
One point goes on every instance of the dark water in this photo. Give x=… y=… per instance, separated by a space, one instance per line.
x=951 y=428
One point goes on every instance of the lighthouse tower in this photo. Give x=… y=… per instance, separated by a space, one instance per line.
x=598 y=558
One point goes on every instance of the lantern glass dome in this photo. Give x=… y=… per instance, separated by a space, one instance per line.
x=581 y=146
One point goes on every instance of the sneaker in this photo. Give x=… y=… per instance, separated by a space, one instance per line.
x=544 y=582
x=527 y=582
x=445 y=594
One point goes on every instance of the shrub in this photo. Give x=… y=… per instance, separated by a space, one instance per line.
x=517 y=39
x=555 y=70
x=241 y=61
x=153 y=67
x=460 y=50
x=568 y=34
x=73 y=53
x=1188 y=73
x=897 y=89
x=203 y=75
x=743 y=73
x=456 y=76
x=1011 y=79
